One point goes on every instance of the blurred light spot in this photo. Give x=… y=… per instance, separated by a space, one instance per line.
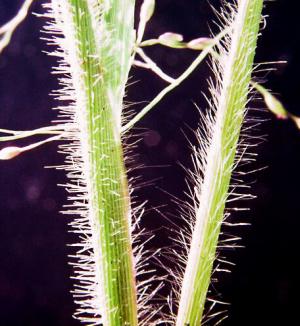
x=32 y=189
x=32 y=192
x=152 y=138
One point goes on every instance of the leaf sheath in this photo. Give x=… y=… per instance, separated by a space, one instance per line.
x=96 y=46
x=230 y=98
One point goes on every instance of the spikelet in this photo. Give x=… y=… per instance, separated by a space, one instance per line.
x=218 y=154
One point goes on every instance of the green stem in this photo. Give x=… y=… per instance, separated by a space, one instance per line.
x=98 y=45
x=230 y=110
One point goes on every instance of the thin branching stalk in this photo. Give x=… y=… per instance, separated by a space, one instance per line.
x=7 y=30
x=174 y=83
x=230 y=96
x=95 y=40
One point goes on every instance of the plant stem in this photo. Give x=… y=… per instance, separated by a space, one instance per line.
x=230 y=102
x=97 y=44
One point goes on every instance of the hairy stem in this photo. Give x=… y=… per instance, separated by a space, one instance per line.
x=97 y=45
x=231 y=98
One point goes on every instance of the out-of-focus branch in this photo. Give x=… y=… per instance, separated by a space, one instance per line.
x=7 y=30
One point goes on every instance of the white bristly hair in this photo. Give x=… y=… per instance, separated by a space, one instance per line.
x=88 y=292
x=213 y=161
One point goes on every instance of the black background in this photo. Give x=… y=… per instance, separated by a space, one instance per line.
x=34 y=271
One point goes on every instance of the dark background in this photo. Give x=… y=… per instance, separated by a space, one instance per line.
x=34 y=272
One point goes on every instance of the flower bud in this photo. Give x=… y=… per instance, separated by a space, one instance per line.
x=199 y=43
x=275 y=106
x=147 y=10
x=296 y=120
x=8 y=153
x=172 y=40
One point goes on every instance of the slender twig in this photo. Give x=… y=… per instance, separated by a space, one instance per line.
x=18 y=134
x=175 y=83
x=10 y=152
x=154 y=67
x=8 y=29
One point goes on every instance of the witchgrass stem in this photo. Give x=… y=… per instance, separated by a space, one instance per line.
x=97 y=44
x=230 y=97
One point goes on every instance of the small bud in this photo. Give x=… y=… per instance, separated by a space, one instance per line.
x=8 y=153
x=272 y=103
x=296 y=120
x=150 y=42
x=172 y=40
x=199 y=43
x=147 y=10
x=275 y=106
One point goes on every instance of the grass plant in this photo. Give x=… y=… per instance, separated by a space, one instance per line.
x=96 y=45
